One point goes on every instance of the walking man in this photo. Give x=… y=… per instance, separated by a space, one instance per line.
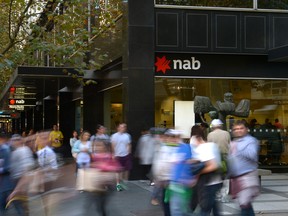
x=121 y=150
x=222 y=139
x=243 y=164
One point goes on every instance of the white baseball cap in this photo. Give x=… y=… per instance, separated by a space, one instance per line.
x=216 y=122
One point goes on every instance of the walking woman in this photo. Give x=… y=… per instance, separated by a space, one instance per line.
x=82 y=148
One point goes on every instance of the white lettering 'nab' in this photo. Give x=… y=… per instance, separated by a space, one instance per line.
x=192 y=64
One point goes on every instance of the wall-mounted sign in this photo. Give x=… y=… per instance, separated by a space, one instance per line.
x=17 y=107
x=23 y=102
x=15 y=115
x=171 y=64
x=165 y=63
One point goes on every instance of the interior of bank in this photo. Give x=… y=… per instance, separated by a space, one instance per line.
x=268 y=102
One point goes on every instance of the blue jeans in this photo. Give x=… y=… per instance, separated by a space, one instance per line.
x=3 y=197
x=207 y=200
x=179 y=203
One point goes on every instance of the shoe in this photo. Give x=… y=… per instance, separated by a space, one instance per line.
x=154 y=202
x=119 y=187
x=124 y=186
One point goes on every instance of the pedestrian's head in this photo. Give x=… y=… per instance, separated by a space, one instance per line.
x=55 y=127
x=100 y=129
x=240 y=129
x=122 y=127
x=85 y=135
x=75 y=133
x=100 y=146
x=216 y=123
x=17 y=140
x=197 y=132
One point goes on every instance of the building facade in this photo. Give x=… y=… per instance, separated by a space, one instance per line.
x=164 y=55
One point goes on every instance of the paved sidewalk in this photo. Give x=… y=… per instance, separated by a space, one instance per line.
x=273 y=199
x=135 y=201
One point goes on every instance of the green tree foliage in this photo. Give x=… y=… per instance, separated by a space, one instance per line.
x=32 y=30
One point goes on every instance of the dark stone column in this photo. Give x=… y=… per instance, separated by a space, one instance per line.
x=22 y=122
x=138 y=69
x=30 y=118
x=38 y=117
x=92 y=108
x=50 y=113
x=66 y=119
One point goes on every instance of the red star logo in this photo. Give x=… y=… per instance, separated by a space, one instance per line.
x=12 y=102
x=162 y=64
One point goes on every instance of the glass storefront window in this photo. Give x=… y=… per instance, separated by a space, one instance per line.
x=113 y=109
x=259 y=4
x=273 y=4
x=268 y=102
x=211 y=3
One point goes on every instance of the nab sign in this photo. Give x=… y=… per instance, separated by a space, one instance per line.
x=164 y=64
x=20 y=103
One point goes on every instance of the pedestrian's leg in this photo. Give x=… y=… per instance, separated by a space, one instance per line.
x=176 y=204
x=88 y=201
x=156 y=194
x=21 y=207
x=166 y=206
x=247 y=210
x=245 y=198
x=216 y=206
x=207 y=200
x=3 y=197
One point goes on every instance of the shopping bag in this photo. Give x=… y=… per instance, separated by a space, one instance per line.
x=91 y=179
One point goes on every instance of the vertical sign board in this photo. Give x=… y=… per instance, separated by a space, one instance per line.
x=184 y=117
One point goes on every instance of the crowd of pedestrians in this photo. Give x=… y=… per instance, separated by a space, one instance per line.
x=188 y=178
x=193 y=179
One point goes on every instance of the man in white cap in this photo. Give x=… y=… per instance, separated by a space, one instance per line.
x=222 y=138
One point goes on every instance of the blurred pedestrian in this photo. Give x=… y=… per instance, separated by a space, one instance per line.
x=121 y=150
x=73 y=140
x=22 y=162
x=159 y=136
x=145 y=152
x=222 y=139
x=243 y=164
x=101 y=135
x=6 y=185
x=210 y=179
x=182 y=180
x=82 y=148
x=277 y=124
x=48 y=166
x=163 y=165
x=105 y=167
x=56 y=137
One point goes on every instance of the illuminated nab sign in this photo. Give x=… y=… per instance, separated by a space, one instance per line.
x=22 y=101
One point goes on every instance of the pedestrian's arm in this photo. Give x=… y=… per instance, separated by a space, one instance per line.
x=113 y=148
x=129 y=148
x=75 y=148
x=250 y=152
x=210 y=166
